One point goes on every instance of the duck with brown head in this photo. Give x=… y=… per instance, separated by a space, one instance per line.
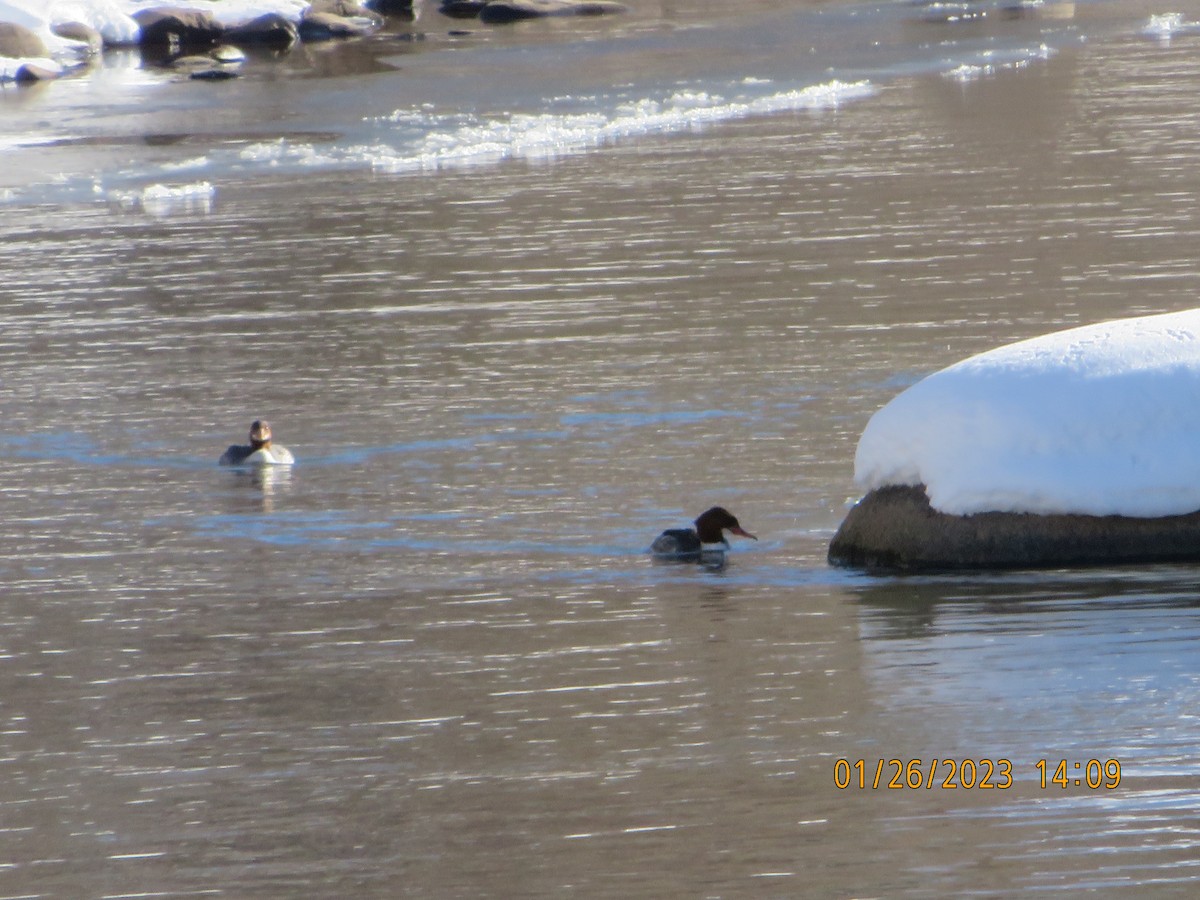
x=708 y=536
x=260 y=452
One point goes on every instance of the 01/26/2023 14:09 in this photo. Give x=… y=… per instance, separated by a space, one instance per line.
x=979 y=774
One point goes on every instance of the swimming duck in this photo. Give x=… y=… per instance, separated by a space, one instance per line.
x=261 y=451
x=706 y=537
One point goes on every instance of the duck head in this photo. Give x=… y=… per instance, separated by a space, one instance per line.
x=713 y=522
x=260 y=434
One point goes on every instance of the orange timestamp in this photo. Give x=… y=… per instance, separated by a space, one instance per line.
x=970 y=774
x=899 y=774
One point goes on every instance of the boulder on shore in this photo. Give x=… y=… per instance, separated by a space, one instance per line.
x=24 y=57
x=893 y=528
x=82 y=32
x=19 y=42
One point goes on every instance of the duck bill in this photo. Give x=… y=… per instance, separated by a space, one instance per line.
x=743 y=533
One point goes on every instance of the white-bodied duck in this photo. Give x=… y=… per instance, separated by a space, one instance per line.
x=260 y=452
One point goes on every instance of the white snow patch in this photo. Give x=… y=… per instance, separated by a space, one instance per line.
x=108 y=17
x=1098 y=420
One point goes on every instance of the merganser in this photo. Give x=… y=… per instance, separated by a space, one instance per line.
x=706 y=537
x=261 y=451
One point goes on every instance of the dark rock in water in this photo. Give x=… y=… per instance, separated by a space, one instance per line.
x=499 y=11
x=895 y=528
x=167 y=26
x=218 y=65
x=391 y=7
x=31 y=72
x=324 y=26
x=19 y=42
x=347 y=9
x=462 y=9
x=270 y=30
x=214 y=74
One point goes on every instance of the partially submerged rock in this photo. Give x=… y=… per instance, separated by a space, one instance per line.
x=324 y=26
x=30 y=72
x=215 y=73
x=894 y=528
x=270 y=30
x=219 y=65
x=347 y=9
x=24 y=57
x=498 y=11
x=391 y=7
x=462 y=9
x=171 y=27
x=1077 y=447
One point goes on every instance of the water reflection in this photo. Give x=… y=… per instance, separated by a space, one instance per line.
x=266 y=483
x=913 y=607
x=1031 y=662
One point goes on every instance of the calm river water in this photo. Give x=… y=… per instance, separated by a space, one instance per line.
x=433 y=659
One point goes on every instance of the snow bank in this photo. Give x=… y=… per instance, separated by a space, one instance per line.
x=1099 y=420
x=109 y=17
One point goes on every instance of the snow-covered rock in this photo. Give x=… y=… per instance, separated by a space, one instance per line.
x=1099 y=420
x=1079 y=447
x=109 y=18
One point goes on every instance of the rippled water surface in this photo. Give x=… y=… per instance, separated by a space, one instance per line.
x=433 y=659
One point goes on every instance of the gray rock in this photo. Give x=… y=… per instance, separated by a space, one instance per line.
x=347 y=9
x=324 y=26
x=270 y=30
x=462 y=9
x=895 y=529
x=402 y=8
x=31 y=72
x=78 y=31
x=213 y=74
x=18 y=42
x=220 y=64
x=167 y=26
x=498 y=11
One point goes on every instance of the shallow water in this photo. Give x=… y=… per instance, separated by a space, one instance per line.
x=432 y=659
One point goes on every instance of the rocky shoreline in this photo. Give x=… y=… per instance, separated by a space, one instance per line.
x=36 y=47
x=894 y=528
